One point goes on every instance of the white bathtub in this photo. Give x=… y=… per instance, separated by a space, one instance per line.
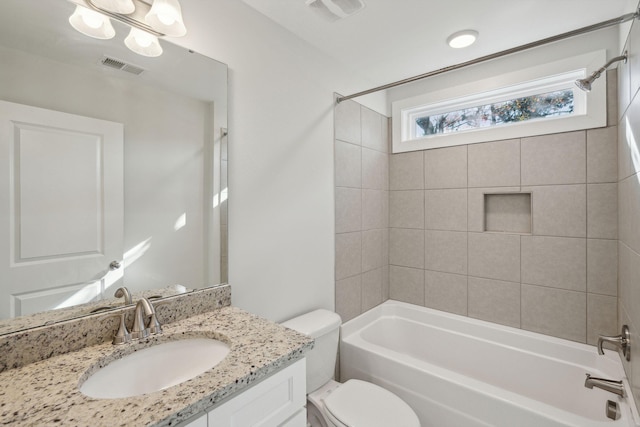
x=460 y=372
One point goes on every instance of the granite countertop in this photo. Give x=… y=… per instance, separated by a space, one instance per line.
x=46 y=393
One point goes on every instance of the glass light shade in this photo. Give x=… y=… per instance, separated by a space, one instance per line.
x=462 y=39
x=116 y=6
x=143 y=43
x=92 y=23
x=165 y=16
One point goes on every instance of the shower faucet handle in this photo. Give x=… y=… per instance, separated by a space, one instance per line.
x=621 y=341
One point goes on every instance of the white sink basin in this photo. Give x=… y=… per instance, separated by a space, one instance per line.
x=155 y=368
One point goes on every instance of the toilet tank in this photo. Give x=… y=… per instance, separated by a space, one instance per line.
x=324 y=327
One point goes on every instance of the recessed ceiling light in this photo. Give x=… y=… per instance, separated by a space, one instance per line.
x=462 y=39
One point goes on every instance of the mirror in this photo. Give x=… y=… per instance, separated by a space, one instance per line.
x=113 y=168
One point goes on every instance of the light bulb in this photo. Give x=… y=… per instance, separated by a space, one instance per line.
x=91 y=23
x=143 y=43
x=165 y=16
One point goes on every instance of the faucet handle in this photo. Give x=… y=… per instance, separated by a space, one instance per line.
x=621 y=341
x=154 y=325
x=122 y=335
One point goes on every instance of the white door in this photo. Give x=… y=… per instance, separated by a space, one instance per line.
x=61 y=208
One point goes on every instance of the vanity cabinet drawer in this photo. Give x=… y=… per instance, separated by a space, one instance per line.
x=273 y=402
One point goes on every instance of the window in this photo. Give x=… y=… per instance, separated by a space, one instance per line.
x=540 y=106
x=529 y=102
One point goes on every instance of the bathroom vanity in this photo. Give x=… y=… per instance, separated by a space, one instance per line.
x=261 y=378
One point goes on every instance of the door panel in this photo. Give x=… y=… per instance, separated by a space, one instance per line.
x=62 y=211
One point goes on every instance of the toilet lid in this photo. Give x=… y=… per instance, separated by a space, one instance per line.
x=361 y=404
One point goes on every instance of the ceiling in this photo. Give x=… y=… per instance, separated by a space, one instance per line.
x=391 y=40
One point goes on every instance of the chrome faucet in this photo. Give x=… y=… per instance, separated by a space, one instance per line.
x=615 y=387
x=123 y=292
x=140 y=328
x=621 y=341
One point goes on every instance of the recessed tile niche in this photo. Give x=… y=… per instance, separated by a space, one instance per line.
x=507 y=213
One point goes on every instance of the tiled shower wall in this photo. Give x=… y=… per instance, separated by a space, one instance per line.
x=362 y=209
x=629 y=201
x=559 y=279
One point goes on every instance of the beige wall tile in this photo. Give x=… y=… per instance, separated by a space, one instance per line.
x=559 y=210
x=601 y=317
x=406 y=247
x=494 y=301
x=349 y=297
x=554 y=159
x=406 y=209
x=629 y=211
x=373 y=205
x=347 y=122
x=386 y=133
x=494 y=256
x=406 y=171
x=555 y=312
x=348 y=165
x=446 y=292
x=494 y=164
x=348 y=209
x=602 y=266
x=510 y=213
x=375 y=170
x=372 y=136
x=372 y=249
x=445 y=168
x=446 y=251
x=558 y=262
x=406 y=284
x=602 y=155
x=602 y=211
x=348 y=255
x=385 y=282
x=446 y=210
x=612 y=97
x=633 y=60
x=629 y=141
x=475 y=199
x=371 y=289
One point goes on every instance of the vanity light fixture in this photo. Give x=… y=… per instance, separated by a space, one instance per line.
x=116 y=6
x=147 y=20
x=143 y=43
x=91 y=23
x=166 y=17
x=462 y=39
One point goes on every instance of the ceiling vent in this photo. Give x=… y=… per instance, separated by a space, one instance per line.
x=333 y=10
x=122 y=66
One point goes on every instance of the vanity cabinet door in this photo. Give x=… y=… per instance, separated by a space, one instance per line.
x=273 y=402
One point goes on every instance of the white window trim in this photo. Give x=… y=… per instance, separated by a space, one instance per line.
x=590 y=109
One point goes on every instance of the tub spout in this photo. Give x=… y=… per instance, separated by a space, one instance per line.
x=615 y=387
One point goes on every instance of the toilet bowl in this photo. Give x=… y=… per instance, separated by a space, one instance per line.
x=355 y=403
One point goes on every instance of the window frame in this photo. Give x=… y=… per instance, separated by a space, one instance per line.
x=589 y=107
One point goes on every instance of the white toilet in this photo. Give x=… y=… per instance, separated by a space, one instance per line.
x=352 y=404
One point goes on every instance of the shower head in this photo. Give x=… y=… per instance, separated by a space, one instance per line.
x=585 y=84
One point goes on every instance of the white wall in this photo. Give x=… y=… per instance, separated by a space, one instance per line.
x=281 y=207
x=602 y=39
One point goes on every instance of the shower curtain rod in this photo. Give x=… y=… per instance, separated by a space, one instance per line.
x=604 y=24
